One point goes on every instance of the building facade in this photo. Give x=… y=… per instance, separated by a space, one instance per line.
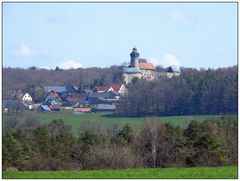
x=138 y=69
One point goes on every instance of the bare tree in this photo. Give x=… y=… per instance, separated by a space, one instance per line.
x=111 y=156
x=151 y=141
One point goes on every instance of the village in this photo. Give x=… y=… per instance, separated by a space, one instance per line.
x=57 y=98
x=98 y=99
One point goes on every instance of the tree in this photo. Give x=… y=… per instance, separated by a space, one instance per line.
x=62 y=139
x=16 y=150
x=175 y=145
x=150 y=142
x=203 y=146
x=57 y=68
x=209 y=151
x=124 y=136
x=43 y=140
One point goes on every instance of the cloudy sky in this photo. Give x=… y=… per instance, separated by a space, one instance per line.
x=103 y=34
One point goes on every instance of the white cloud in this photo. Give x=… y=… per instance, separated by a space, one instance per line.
x=170 y=59
x=24 y=51
x=179 y=17
x=70 y=64
x=45 y=67
x=167 y=59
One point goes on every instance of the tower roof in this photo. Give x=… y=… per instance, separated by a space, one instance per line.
x=134 y=52
x=173 y=69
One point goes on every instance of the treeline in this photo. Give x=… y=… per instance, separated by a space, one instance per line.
x=29 y=146
x=194 y=92
x=33 y=79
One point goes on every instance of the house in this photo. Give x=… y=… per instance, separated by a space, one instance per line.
x=119 y=88
x=74 y=101
x=27 y=101
x=26 y=97
x=44 y=108
x=53 y=96
x=102 y=98
x=55 y=107
x=82 y=98
x=7 y=105
x=53 y=100
x=27 y=106
x=105 y=107
x=173 y=71
x=15 y=105
x=103 y=89
x=64 y=95
x=71 y=89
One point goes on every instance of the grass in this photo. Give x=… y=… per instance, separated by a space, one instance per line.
x=76 y=121
x=229 y=172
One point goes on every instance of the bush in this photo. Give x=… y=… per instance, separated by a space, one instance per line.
x=104 y=157
x=41 y=162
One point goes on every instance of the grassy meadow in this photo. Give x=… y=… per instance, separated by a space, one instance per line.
x=106 y=119
x=229 y=172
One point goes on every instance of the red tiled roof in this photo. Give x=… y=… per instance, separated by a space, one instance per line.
x=82 y=109
x=102 y=88
x=149 y=66
x=116 y=87
x=73 y=100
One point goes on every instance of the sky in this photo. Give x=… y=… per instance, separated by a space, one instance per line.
x=72 y=35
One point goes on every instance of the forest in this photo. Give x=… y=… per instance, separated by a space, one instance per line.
x=194 y=92
x=27 y=145
x=34 y=79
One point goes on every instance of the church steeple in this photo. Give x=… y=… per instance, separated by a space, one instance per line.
x=134 y=57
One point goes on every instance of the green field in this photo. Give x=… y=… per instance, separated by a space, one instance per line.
x=197 y=172
x=76 y=121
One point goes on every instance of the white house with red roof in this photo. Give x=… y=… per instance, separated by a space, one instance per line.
x=103 y=88
x=119 y=88
x=116 y=87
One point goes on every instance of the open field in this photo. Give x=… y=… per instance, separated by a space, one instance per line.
x=76 y=121
x=197 y=172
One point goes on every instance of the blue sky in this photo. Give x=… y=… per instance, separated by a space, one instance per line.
x=103 y=34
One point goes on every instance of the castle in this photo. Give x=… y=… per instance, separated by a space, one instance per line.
x=140 y=68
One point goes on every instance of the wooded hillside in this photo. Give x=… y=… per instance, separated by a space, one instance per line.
x=194 y=92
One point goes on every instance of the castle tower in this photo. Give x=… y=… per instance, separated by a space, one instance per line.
x=134 y=57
